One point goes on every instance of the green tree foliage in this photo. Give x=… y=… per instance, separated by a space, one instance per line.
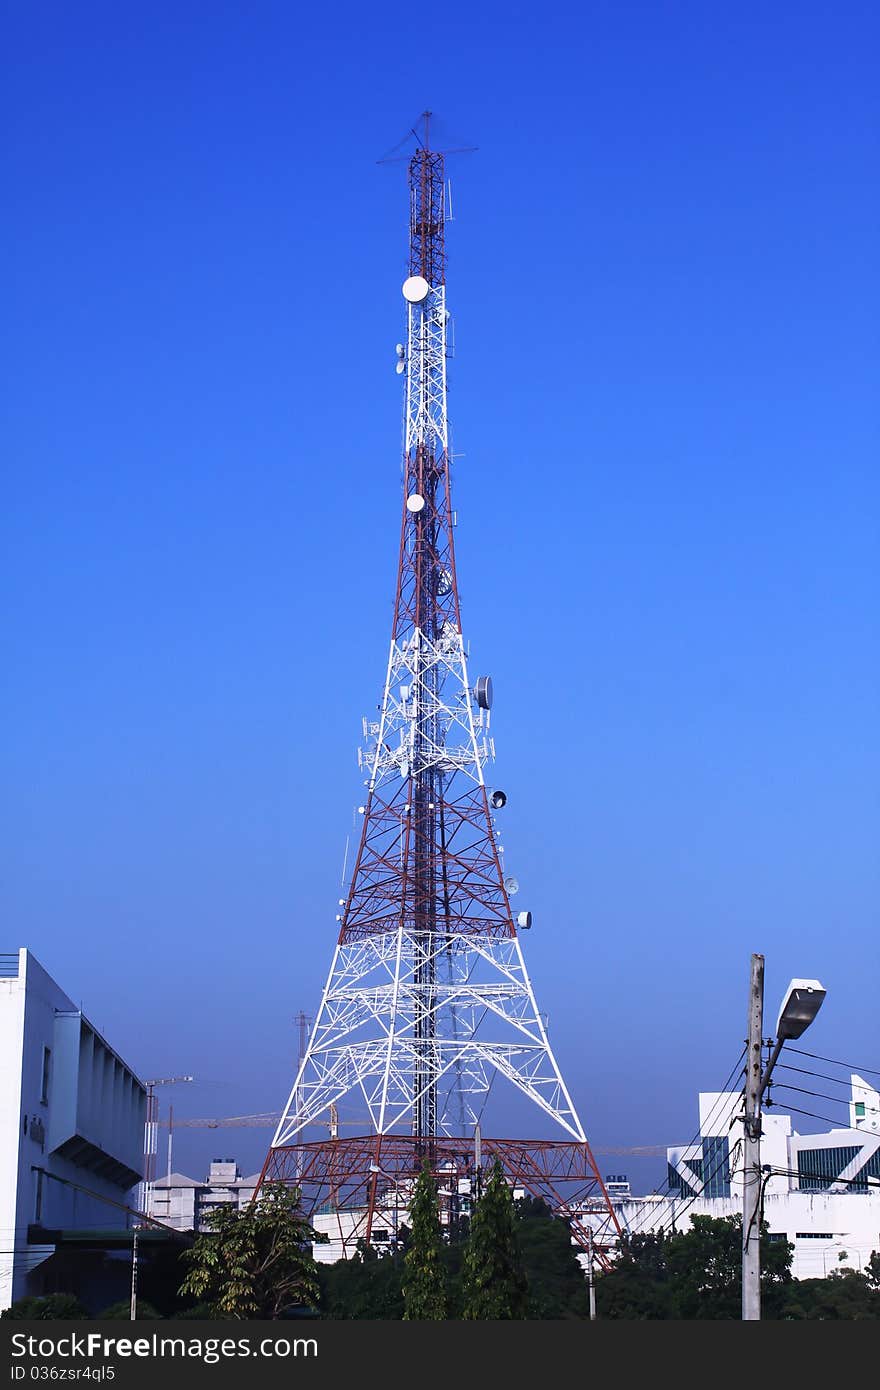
x=556 y=1281
x=122 y=1310
x=705 y=1269
x=54 y=1305
x=638 y=1285
x=255 y=1262
x=368 y=1285
x=424 y=1279
x=494 y=1283
x=199 y=1312
x=846 y=1293
x=696 y=1273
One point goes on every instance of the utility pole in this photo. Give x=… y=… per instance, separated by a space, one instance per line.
x=478 y=1164
x=134 y=1274
x=751 y=1219
x=590 y=1274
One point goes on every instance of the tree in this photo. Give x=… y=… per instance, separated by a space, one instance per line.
x=54 y=1305
x=122 y=1310
x=705 y=1269
x=368 y=1285
x=424 y=1279
x=556 y=1281
x=638 y=1285
x=254 y=1262
x=494 y=1283
x=845 y=1294
x=696 y=1273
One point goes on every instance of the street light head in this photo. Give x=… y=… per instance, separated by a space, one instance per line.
x=803 y=1000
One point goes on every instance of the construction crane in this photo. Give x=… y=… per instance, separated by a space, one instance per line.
x=269 y=1120
x=151 y=1135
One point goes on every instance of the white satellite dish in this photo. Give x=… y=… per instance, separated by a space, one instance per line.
x=416 y=289
x=399 y=349
x=511 y=886
x=415 y=502
x=400 y=367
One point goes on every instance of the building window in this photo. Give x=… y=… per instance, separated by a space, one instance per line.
x=38 y=1196
x=860 y=1109
x=777 y=1237
x=44 y=1084
x=819 y=1168
x=716 y=1166
x=814 y=1235
x=677 y=1184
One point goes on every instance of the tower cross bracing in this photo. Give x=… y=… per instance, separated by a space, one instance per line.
x=428 y=1004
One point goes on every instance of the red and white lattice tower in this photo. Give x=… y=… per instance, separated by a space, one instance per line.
x=428 y=1003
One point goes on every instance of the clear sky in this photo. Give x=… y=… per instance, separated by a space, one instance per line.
x=664 y=275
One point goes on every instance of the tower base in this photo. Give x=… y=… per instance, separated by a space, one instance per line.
x=352 y=1184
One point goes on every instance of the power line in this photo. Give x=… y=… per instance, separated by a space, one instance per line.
x=723 y=1159
x=835 y=1062
x=858 y=1181
x=832 y=1124
x=823 y=1075
x=735 y=1070
x=822 y=1095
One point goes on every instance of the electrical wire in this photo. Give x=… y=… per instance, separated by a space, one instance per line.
x=759 y=1208
x=637 y=1228
x=822 y=1075
x=734 y=1071
x=724 y=1158
x=832 y=1124
x=808 y=1177
x=835 y=1062
x=821 y=1095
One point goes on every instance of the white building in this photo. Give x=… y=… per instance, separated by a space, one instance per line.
x=183 y=1203
x=71 y=1124
x=821 y=1192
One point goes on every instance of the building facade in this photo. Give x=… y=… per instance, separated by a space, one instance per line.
x=821 y=1191
x=71 y=1124
x=183 y=1203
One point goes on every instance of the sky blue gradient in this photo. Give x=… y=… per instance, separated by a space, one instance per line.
x=664 y=275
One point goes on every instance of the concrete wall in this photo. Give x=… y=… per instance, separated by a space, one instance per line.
x=86 y=1129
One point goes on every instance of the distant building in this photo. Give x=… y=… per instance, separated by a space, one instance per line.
x=821 y=1191
x=617 y=1186
x=183 y=1203
x=71 y=1124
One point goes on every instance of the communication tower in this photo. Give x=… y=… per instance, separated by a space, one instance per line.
x=428 y=1003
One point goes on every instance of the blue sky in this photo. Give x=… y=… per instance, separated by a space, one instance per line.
x=664 y=278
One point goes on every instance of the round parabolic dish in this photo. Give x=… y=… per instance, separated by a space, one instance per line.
x=416 y=289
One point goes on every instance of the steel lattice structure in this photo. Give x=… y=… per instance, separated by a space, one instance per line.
x=428 y=998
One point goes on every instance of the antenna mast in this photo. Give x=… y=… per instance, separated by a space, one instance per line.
x=428 y=999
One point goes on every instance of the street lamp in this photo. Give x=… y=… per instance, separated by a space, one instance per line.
x=801 y=1003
